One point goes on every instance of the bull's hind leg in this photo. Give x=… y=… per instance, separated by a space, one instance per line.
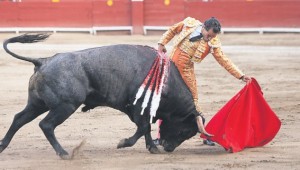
x=54 y=118
x=30 y=112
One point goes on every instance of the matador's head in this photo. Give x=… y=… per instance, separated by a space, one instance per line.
x=211 y=28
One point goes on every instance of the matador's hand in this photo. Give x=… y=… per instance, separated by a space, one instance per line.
x=161 y=48
x=246 y=79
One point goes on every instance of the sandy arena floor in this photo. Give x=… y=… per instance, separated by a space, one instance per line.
x=273 y=59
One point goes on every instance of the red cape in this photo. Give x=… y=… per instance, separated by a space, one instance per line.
x=245 y=121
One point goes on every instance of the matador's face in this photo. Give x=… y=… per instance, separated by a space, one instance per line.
x=208 y=35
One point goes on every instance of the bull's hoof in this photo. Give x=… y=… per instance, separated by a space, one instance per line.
x=154 y=150
x=2 y=146
x=123 y=143
x=64 y=155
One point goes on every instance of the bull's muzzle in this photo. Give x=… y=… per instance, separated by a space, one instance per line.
x=167 y=146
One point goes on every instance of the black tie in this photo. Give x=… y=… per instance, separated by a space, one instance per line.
x=196 y=38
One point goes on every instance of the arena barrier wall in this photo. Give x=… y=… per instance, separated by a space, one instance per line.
x=139 y=16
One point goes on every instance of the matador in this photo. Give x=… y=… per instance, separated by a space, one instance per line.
x=194 y=41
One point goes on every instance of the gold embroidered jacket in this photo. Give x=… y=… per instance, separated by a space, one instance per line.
x=198 y=50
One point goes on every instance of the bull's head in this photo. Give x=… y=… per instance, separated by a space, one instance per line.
x=174 y=132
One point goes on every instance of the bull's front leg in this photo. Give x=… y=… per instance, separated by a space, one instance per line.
x=143 y=128
x=127 y=142
x=149 y=143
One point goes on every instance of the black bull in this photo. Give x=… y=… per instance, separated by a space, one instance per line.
x=105 y=76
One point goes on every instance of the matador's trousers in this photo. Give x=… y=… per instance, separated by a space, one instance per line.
x=186 y=68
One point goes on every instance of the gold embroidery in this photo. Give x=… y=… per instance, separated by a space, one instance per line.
x=171 y=32
x=215 y=43
x=186 y=68
x=191 y=22
x=198 y=108
x=196 y=59
x=185 y=53
x=201 y=52
x=187 y=30
x=189 y=47
x=182 y=29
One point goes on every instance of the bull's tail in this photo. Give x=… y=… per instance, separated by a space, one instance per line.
x=26 y=38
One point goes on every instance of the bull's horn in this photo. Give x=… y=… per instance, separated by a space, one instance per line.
x=201 y=127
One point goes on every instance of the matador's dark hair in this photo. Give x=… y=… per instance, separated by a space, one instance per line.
x=214 y=24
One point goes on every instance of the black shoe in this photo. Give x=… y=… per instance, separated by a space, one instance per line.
x=156 y=141
x=208 y=142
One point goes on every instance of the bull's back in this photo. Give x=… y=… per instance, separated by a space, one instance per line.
x=116 y=72
x=107 y=75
